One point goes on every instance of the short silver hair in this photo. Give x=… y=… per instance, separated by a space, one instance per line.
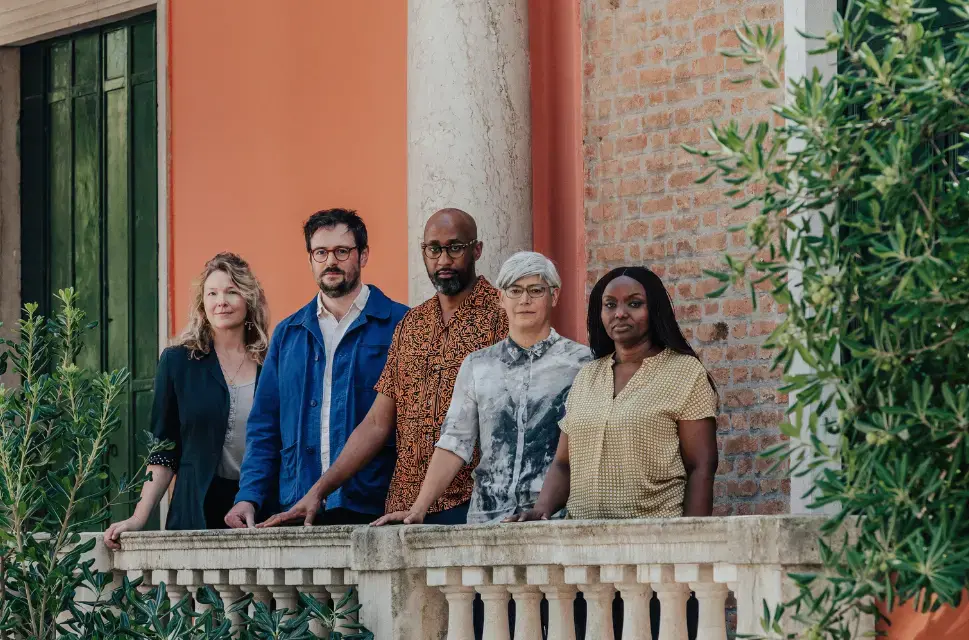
x=528 y=263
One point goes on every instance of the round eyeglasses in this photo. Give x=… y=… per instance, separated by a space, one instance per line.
x=340 y=253
x=454 y=250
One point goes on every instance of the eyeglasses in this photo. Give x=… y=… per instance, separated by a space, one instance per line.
x=454 y=250
x=534 y=291
x=341 y=253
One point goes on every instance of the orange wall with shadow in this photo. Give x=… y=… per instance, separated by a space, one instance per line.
x=276 y=114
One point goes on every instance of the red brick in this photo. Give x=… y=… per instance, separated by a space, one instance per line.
x=682 y=9
x=735 y=308
x=770 y=508
x=740 y=398
x=708 y=23
x=746 y=488
x=653 y=77
x=712 y=242
x=658 y=205
x=627 y=105
x=636 y=229
x=708 y=65
x=683 y=179
x=739 y=444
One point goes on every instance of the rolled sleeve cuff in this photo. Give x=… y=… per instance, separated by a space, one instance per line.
x=164 y=459
x=456 y=446
x=248 y=495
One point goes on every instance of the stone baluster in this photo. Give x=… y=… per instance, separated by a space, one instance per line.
x=218 y=579
x=560 y=596
x=459 y=598
x=145 y=586
x=598 y=601
x=339 y=582
x=635 y=600
x=247 y=581
x=711 y=597
x=672 y=601
x=317 y=588
x=283 y=594
x=175 y=590
x=191 y=580
x=495 y=598
x=528 y=600
x=753 y=585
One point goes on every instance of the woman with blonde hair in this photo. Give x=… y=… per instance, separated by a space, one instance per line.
x=204 y=388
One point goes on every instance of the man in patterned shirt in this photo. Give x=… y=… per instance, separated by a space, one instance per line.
x=414 y=391
x=508 y=399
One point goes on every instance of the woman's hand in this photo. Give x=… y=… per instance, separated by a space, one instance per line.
x=404 y=517
x=528 y=516
x=112 y=537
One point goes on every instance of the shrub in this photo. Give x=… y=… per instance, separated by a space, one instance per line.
x=54 y=486
x=862 y=231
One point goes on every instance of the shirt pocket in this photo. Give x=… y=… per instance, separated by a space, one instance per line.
x=371 y=359
x=289 y=475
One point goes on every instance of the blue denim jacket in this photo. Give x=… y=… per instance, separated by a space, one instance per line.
x=283 y=432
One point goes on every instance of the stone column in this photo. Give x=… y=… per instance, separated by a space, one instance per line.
x=468 y=125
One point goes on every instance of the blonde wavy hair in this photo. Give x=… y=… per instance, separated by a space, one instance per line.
x=197 y=336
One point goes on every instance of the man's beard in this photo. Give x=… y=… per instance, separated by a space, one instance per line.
x=454 y=285
x=341 y=289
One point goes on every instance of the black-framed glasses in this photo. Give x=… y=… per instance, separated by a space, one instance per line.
x=534 y=291
x=455 y=249
x=342 y=253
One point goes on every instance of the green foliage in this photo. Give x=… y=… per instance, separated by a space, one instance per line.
x=861 y=229
x=54 y=486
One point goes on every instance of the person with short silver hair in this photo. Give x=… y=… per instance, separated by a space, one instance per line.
x=508 y=400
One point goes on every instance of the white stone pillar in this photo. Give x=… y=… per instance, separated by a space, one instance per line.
x=468 y=125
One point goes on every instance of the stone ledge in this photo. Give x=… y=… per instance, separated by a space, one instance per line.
x=774 y=540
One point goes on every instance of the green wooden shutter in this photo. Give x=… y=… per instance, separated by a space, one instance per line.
x=89 y=206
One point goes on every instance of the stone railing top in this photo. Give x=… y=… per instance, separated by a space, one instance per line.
x=783 y=540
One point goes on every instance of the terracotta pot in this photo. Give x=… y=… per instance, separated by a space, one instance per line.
x=945 y=624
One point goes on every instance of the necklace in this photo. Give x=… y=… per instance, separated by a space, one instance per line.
x=231 y=381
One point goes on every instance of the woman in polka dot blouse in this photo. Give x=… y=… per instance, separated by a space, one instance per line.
x=639 y=434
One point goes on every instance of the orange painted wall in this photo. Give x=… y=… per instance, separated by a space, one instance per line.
x=279 y=113
x=558 y=221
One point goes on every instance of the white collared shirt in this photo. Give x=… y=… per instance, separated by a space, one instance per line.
x=333 y=332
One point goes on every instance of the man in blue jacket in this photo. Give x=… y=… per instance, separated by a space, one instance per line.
x=318 y=382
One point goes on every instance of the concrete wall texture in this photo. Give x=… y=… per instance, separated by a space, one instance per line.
x=654 y=81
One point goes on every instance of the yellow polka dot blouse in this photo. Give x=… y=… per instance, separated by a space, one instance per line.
x=624 y=452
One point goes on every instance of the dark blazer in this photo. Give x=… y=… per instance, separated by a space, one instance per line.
x=191 y=409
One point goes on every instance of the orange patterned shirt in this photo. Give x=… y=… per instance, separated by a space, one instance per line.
x=422 y=365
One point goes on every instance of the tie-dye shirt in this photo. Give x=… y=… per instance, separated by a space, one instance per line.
x=510 y=400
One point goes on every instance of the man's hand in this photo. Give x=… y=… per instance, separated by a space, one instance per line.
x=528 y=516
x=305 y=510
x=405 y=517
x=241 y=516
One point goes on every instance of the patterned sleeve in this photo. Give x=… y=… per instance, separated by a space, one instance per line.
x=701 y=401
x=387 y=384
x=460 y=430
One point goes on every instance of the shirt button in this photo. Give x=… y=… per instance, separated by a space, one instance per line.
x=313 y=403
x=309 y=449
x=317 y=357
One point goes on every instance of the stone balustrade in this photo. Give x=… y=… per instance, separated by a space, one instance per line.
x=417 y=583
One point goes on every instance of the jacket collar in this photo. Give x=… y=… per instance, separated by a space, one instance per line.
x=378 y=306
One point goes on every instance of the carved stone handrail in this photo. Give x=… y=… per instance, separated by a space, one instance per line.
x=419 y=581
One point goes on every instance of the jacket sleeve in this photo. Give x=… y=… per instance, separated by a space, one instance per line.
x=260 y=466
x=164 y=414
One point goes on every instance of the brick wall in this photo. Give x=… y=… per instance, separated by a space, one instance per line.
x=654 y=80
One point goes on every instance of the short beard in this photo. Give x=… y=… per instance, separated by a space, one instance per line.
x=452 y=286
x=340 y=290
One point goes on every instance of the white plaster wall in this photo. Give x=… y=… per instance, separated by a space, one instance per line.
x=468 y=125
x=813 y=17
